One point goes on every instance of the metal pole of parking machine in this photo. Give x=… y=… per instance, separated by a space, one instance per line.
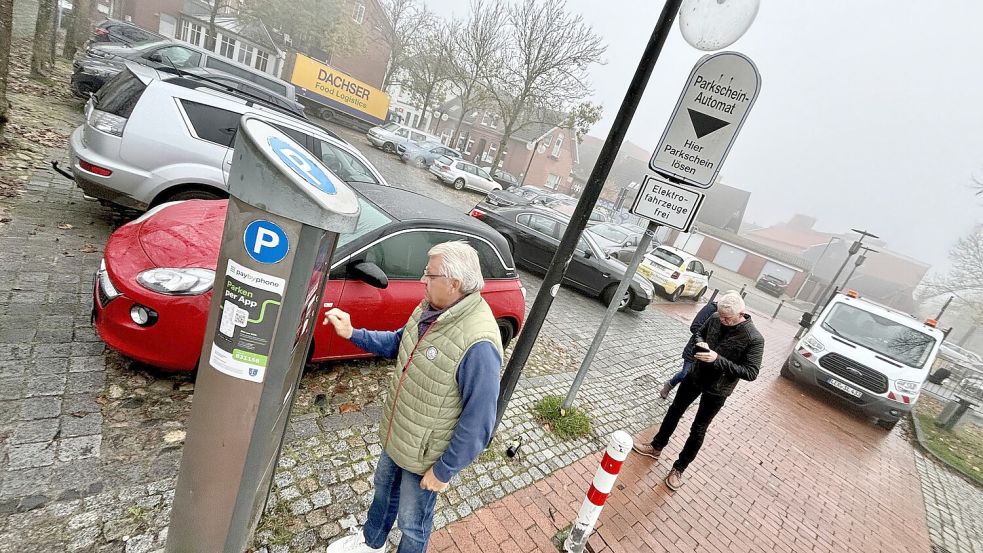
x=284 y=216
x=619 y=296
x=578 y=221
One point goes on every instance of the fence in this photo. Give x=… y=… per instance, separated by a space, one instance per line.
x=963 y=380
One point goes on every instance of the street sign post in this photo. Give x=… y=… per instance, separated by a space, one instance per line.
x=667 y=204
x=711 y=109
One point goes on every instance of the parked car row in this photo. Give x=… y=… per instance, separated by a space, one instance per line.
x=153 y=139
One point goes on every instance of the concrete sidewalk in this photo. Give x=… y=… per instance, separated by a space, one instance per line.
x=780 y=471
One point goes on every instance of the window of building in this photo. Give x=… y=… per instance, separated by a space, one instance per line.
x=262 y=60
x=557 y=145
x=547 y=141
x=485 y=119
x=467 y=149
x=246 y=54
x=552 y=181
x=490 y=154
x=228 y=47
x=460 y=143
x=191 y=32
x=358 y=15
x=445 y=137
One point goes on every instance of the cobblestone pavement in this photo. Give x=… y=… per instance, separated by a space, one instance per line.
x=953 y=507
x=91 y=441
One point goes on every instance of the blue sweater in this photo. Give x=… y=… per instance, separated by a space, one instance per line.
x=477 y=378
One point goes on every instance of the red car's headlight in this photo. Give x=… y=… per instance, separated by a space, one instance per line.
x=177 y=282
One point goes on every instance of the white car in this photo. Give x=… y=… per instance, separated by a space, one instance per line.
x=675 y=272
x=463 y=174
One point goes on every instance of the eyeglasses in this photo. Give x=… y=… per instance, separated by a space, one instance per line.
x=426 y=275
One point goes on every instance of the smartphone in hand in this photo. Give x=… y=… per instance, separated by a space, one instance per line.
x=700 y=349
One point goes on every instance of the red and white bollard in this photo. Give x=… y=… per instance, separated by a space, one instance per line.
x=600 y=488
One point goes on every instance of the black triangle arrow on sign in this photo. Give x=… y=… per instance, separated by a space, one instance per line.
x=705 y=124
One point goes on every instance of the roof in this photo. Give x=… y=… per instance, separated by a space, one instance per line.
x=249 y=28
x=792 y=239
x=756 y=247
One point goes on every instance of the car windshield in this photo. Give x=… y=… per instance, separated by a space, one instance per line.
x=391 y=127
x=610 y=233
x=880 y=334
x=369 y=219
x=667 y=256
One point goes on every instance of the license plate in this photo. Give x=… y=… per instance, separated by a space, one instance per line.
x=844 y=388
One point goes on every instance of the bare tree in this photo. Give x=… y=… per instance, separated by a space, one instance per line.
x=408 y=22
x=80 y=28
x=475 y=53
x=312 y=24
x=428 y=69
x=965 y=277
x=41 y=61
x=6 y=28
x=543 y=72
x=214 y=10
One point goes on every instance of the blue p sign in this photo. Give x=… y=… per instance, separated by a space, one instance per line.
x=265 y=241
x=302 y=164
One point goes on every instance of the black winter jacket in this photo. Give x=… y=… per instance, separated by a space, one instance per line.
x=739 y=348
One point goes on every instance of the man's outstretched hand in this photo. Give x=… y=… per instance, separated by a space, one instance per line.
x=341 y=321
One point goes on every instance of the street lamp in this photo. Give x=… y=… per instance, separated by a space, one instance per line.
x=858 y=263
x=714 y=24
x=854 y=248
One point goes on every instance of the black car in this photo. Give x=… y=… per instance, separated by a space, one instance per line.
x=122 y=32
x=771 y=284
x=502 y=177
x=521 y=195
x=533 y=234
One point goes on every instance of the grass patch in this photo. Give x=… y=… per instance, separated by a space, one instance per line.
x=275 y=521
x=573 y=424
x=560 y=537
x=962 y=447
x=137 y=514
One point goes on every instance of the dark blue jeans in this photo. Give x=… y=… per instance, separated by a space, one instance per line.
x=678 y=377
x=710 y=405
x=398 y=492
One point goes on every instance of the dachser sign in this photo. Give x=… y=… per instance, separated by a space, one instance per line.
x=339 y=90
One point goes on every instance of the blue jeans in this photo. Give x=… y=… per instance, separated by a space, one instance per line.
x=678 y=377
x=398 y=492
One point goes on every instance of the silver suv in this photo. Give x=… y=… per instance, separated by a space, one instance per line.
x=151 y=137
x=391 y=136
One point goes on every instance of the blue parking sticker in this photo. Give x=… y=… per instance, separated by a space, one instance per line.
x=302 y=164
x=265 y=242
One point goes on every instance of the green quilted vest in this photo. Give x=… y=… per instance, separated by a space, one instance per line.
x=423 y=402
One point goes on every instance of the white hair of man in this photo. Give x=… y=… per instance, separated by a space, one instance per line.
x=730 y=303
x=460 y=262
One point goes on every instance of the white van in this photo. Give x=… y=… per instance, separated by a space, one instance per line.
x=867 y=354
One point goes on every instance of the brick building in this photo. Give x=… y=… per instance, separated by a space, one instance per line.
x=370 y=62
x=545 y=156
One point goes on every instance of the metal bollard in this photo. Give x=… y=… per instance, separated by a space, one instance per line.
x=713 y=296
x=779 y=308
x=742 y=292
x=600 y=488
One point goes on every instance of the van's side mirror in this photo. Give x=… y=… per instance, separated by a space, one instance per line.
x=369 y=273
x=587 y=254
x=155 y=58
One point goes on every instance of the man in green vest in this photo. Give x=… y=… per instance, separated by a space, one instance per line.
x=439 y=408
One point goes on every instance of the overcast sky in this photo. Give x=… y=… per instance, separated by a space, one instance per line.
x=870 y=113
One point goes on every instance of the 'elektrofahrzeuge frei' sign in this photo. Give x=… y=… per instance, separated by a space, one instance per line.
x=715 y=101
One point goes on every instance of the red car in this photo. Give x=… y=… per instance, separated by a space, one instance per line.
x=153 y=290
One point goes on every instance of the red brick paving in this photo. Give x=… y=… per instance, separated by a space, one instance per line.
x=780 y=470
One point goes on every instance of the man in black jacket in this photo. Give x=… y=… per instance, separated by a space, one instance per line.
x=734 y=349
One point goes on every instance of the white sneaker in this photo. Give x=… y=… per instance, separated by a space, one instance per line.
x=354 y=543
